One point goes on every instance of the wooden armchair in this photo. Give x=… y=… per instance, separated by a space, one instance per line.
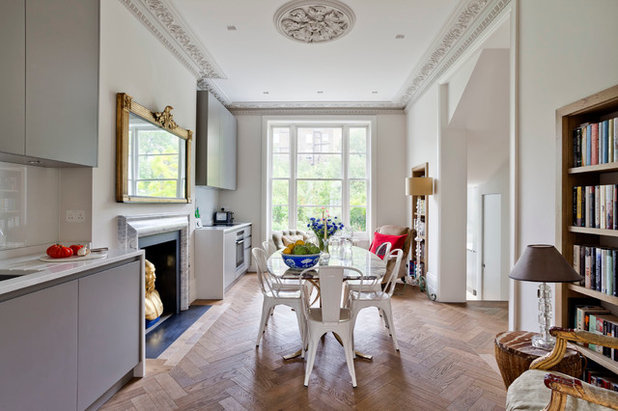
x=527 y=392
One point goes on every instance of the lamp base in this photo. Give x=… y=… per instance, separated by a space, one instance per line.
x=547 y=343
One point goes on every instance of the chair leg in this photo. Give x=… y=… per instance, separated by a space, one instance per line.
x=313 y=347
x=301 y=327
x=349 y=355
x=391 y=329
x=266 y=307
x=353 y=322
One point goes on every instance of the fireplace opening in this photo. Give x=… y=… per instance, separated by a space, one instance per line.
x=163 y=250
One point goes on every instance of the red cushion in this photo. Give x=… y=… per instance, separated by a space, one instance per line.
x=397 y=242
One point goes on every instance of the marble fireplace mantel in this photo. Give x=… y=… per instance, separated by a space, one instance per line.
x=131 y=228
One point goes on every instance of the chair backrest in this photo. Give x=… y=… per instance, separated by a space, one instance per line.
x=294 y=235
x=397 y=256
x=264 y=277
x=384 y=250
x=266 y=247
x=331 y=285
x=398 y=230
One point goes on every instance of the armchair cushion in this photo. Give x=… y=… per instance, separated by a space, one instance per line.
x=528 y=392
x=397 y=242
x=397 y=230
x=289 y=234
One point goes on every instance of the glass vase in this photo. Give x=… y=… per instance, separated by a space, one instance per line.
x=323 y=245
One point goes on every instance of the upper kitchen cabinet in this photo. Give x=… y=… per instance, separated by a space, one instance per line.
x=215 y=143
x=51 y=55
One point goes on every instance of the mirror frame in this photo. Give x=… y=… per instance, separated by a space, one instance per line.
x=164 y=120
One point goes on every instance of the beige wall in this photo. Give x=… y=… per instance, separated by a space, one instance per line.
x=566 y=52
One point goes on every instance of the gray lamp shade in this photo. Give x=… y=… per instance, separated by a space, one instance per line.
x=543 y=263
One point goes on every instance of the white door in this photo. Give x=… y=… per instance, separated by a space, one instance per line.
x=492 y=259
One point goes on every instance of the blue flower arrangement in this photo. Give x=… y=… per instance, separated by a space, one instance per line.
x=318 y=225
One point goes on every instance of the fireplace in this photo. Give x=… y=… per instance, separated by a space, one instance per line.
x=163 y=250
x=165 y=239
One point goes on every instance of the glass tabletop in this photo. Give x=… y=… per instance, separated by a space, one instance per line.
x=368 y=263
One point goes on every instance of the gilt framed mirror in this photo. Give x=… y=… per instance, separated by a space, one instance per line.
x=152 y=155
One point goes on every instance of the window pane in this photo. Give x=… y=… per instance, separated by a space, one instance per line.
x=322 y=193
x=156 y=188
x=304 y=213
x=358 y=193
x=156 y=142
x=358 y=218
x=358 y=166
x=280 y=218
x=158 y=166
x=280 y=192
x=281 y=165
x=358 y=140
x=319 y=166
x=319 y=140
x=281 y=140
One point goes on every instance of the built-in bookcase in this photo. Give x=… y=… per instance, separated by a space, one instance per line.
x=596 y=109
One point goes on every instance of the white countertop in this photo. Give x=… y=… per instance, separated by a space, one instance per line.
x=234 y=227
x=49 y=271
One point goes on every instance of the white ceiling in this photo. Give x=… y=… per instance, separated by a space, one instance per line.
x=256 y=58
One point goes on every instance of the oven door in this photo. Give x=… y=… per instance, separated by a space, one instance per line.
x=240 y=250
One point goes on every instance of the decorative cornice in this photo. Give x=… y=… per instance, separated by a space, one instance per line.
x=268 y=105
x=470 y=19
x=300 y=111
x=166 y=24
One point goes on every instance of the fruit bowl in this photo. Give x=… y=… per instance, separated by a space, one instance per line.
x=300 y=261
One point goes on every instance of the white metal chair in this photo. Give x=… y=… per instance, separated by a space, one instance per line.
x=383 y=250
x=330 y=317
x=369 y=297
x=274 y=295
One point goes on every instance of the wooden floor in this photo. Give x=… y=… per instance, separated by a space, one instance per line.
x=445 y=362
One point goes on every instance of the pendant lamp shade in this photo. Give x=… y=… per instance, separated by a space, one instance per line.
x=543 y=263
x=419 y=186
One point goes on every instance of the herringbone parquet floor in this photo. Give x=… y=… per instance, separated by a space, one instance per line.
x=445 y=362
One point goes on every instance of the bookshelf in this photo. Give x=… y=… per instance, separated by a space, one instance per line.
x=593 y=109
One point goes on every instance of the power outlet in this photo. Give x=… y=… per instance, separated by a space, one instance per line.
x=75 y=216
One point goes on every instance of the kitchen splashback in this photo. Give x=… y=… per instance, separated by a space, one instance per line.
x=29 y=205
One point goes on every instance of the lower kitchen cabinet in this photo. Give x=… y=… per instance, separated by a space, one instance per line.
x=109 y=310
x=38 y=346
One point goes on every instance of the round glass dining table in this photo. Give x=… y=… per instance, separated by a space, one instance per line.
x=372 y=267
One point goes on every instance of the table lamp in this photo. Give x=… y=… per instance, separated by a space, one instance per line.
x=543 y=264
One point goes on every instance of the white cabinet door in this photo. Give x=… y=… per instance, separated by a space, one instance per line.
x=62 y=80
x=109 y=335
x=229 y=261
x=38 y=342
x=12 y=80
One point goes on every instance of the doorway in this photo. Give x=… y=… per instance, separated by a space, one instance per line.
x=491 y=267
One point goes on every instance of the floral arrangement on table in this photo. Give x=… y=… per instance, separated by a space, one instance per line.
x=324 y=228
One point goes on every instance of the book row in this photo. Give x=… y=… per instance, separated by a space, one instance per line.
x=595 y=143
x=598 y=320
x=598 y=266
x=596 y=206
x=601 y=379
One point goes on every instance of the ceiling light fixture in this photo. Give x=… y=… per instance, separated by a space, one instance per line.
x=314 y=21
x=320 y=92
x=374 y=92
x=231 y=27
x=400 y=36
x=265 y=92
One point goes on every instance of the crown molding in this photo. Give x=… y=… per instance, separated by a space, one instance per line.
x=325 y=110
x=160 y=17
x=466 y=24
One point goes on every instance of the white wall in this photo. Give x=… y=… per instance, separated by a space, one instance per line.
x=246 y=201
x=566 y=52
x=133 y=61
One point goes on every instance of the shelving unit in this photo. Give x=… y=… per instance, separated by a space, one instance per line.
x=598 y=107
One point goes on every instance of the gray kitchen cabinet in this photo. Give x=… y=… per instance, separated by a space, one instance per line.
x=12 y=80
x=50 y=75
x=109 y=312
x=216 y=141
x=229 y=262
x=62 y=80
x=38 y=341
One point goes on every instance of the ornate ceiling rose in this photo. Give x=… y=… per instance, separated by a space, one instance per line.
x=314 y=21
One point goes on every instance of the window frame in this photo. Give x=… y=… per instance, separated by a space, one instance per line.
x=345 y=123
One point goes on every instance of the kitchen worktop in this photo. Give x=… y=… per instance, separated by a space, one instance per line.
x=232 y=227
x=50 y=271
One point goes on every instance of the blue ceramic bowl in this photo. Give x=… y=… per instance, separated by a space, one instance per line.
x=300 y=262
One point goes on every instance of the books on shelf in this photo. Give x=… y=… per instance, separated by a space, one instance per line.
x=598 y=320
x=598 y=266
x=601 y=379
x=596 y=206
x=595 y=143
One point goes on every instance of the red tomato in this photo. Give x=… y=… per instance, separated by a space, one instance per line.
x=59 y=251
x=76 y=247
